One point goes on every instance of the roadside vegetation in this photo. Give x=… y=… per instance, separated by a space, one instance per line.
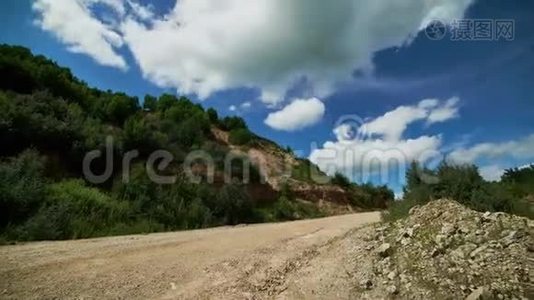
x=513 y=194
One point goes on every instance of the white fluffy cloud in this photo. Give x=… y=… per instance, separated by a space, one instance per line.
x=144 y=13
x=392 y=124
x=491 y=172
x=243 y=107
x=378 y=146
x=299 y=114
x=74 y=25
x=448 y=111
x=521 y=149
x=203 y=46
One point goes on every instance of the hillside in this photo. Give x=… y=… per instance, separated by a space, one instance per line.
x=220 y=172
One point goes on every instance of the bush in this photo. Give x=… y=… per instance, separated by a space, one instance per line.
x=73 y=210
x=370 y=196
x=284 y=209
x=307 y=171
x=341 y=180
x=21 y=187
x=398 y=209
x=231 y=123
x=213 y=116
x=233 y=205
x=38 y=120
x=240 y=136
x=198 y=215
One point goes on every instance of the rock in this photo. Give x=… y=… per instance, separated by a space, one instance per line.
x=448 y=229
x=463 y=230
x=408 y=232
x=486 y=217
x=392 y=289
x=384 y=250
x=464 y=250
x=413 y=210
x=479 y=294
x=441 y=240
x=512 y=237
x=477 y=251
x=392 y=275
x=436 y=251
x=405 y=242
x=366 y=284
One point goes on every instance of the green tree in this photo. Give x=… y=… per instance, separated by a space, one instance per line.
x=166 y=101
x=150 y=103
x=231 y=123
x=213 y=116
x=119 y=107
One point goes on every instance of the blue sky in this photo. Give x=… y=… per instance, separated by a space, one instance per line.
x=307 y=73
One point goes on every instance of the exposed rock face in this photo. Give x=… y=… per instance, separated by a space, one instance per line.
x=446 y=251
x=275 y=166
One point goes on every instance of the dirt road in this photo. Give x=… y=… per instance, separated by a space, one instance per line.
x=299 y=259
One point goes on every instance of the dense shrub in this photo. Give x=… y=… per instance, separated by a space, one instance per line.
x=86 y=211
x=38 y=120
x=240 y=136
x=72 y=210
x=231 y=123
x=341 y=180
x=233 y=205
x=305 y=170
x=21 y=187
x=284 y=209
x=287 y=207
x=213 y=116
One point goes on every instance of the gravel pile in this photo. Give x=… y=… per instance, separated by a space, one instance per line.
x=444 y=250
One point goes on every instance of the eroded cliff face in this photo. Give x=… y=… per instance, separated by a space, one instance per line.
x=275 y=166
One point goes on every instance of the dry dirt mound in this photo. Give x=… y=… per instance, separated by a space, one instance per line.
x=446 y=251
